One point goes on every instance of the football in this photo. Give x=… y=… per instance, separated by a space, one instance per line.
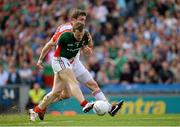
x=101 y=107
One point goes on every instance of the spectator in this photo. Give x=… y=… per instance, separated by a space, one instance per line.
x=108 y=31
x=99 y=11
x=134 y=65
x=166 y=75
x=25 y=73
x=146 y=30
x=126 y=76
x=120 y=60
x=102 y=78
x=112 y=73
x=35 y=95
x=156 y=62
x=13 y=77
x=113 y=50
x=176 y=70
x=93 y=64
x=3 y=76
x=152 y=76
x=140 y=75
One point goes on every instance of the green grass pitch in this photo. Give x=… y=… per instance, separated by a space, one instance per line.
x=93 y=120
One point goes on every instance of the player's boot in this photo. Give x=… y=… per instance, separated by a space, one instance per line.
x=88 y=107
x=32 y=115
x=40 y=112
x=115 y=108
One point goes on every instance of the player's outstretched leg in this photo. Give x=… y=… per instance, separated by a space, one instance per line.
x=48 y=99
x=40 y=110
x=115 y=108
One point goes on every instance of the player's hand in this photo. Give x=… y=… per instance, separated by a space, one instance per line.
x=89 y=37
x=40 y=64
x=87 y=50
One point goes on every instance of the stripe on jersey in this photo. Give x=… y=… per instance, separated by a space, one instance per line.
x=61 y=29
x=58 y=34
x=65 y=27
x=62 y=63
x=57 y=51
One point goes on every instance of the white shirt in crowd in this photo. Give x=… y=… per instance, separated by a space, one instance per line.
x=3 y=78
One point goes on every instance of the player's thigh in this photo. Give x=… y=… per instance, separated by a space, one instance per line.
x=67 y=76
x=63 y=69
x=60 y=88
x=66 y=92
x=86 y=78
x=58 y=85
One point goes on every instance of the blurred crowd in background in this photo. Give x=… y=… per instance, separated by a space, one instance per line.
x=136 y=41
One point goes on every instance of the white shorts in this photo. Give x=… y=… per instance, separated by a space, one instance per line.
x=81 y=73
x=60 y=63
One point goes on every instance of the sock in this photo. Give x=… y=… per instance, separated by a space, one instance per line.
x=83 y=103
x=37 y=109
x=99 y=95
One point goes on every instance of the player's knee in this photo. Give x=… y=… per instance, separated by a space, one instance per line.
x=66 y=96
x=70 y=79
x=56 y=93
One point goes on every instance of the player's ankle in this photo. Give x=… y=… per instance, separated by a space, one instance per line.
x=38 y=110
x=83 y=103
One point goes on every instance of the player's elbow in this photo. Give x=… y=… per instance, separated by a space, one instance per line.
x=50 y=44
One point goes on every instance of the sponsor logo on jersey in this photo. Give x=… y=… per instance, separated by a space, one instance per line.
x=83 y=42
x=70 y=45
x=72 y=50
x=77 y=44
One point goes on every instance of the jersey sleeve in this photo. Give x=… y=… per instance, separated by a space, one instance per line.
x=58 y=34
x=61 y=29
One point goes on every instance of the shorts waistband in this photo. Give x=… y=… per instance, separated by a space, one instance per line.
x=59 y=58
x=56 y=58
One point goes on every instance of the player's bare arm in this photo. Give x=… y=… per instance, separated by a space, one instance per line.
x=44 y=52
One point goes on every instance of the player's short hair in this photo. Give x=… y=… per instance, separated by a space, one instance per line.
x=78 y=26
x=77 y=12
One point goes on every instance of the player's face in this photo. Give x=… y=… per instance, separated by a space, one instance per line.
x=81 y=19
x=78 y=35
